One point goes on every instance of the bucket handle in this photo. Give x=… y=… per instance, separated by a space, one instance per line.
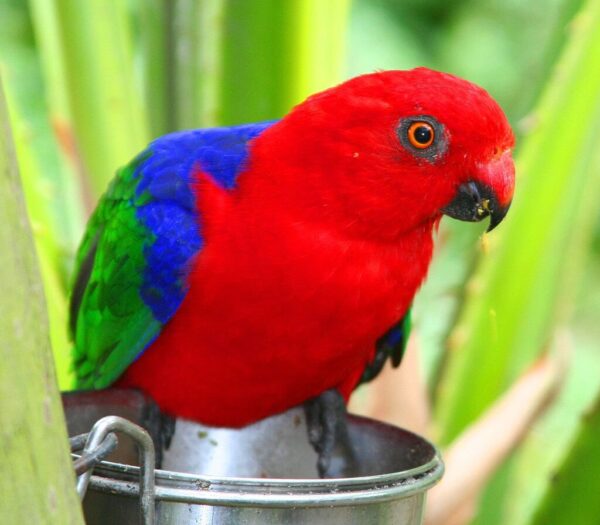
x=101 y=441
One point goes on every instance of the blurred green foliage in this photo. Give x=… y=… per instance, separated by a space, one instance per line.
x=90 y=82
x=508 y=47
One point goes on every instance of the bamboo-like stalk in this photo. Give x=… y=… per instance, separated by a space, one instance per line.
x=525 y=284
x=243 y=61
x=109 y=122
x=50 y=190
x=47 y=32
x=232 y=61
x=51 y=250
x=273 y=57
x=37 y=482
x=319 y=48
x=156 y=41
x=198 y=27
x=46 y=27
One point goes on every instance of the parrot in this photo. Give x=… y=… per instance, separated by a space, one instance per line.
x=231 y=273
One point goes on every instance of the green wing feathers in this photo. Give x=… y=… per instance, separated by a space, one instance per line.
x=110 y=324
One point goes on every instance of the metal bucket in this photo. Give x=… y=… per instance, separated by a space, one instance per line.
x=262 y=474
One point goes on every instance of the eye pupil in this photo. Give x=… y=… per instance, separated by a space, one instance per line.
x=423 y=135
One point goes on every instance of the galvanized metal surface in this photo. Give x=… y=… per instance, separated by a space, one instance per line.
x=266 y=474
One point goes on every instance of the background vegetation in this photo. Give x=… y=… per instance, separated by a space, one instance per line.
x=90 y=83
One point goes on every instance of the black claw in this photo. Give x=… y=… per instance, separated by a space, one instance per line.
x=312 y=409
x=328 y=432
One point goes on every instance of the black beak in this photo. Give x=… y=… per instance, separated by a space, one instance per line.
x=475 y=201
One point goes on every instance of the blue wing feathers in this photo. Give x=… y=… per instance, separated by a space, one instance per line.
x=390 y=345
x=167 y=203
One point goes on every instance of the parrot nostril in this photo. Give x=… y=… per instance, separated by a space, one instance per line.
x=497 y=153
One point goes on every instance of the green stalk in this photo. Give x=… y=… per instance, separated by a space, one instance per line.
x=237 y=61
x=37 y=482
x=47 y=32
x=319 y=46
x=154 y=27
x=51 y=252
x=525 y=285
x=107 y=111
x=51 y=195
x=275 y=53
x=198 y=30
x=257 y=61
x=45 y=23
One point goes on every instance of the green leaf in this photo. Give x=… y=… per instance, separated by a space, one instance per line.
x=572 y=495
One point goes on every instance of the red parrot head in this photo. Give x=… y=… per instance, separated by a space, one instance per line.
x=388 y=151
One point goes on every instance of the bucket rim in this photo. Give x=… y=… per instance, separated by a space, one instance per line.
x=200 y=489
x=229 y=493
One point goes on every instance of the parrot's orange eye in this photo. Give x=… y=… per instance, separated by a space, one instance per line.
x=421 y=134
x=423 y=137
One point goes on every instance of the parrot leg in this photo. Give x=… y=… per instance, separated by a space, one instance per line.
x=161 y=428
x=328 y=434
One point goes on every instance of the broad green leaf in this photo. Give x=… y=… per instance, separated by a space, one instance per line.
x=572 y=495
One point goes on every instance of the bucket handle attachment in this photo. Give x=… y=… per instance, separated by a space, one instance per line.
x=100 y=442
x=89 y=460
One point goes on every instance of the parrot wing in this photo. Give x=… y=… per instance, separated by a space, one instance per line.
x=389 y=346
x=139 y=246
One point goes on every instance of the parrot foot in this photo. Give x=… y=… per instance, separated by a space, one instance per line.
x=161 y=428
x=328 y=434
